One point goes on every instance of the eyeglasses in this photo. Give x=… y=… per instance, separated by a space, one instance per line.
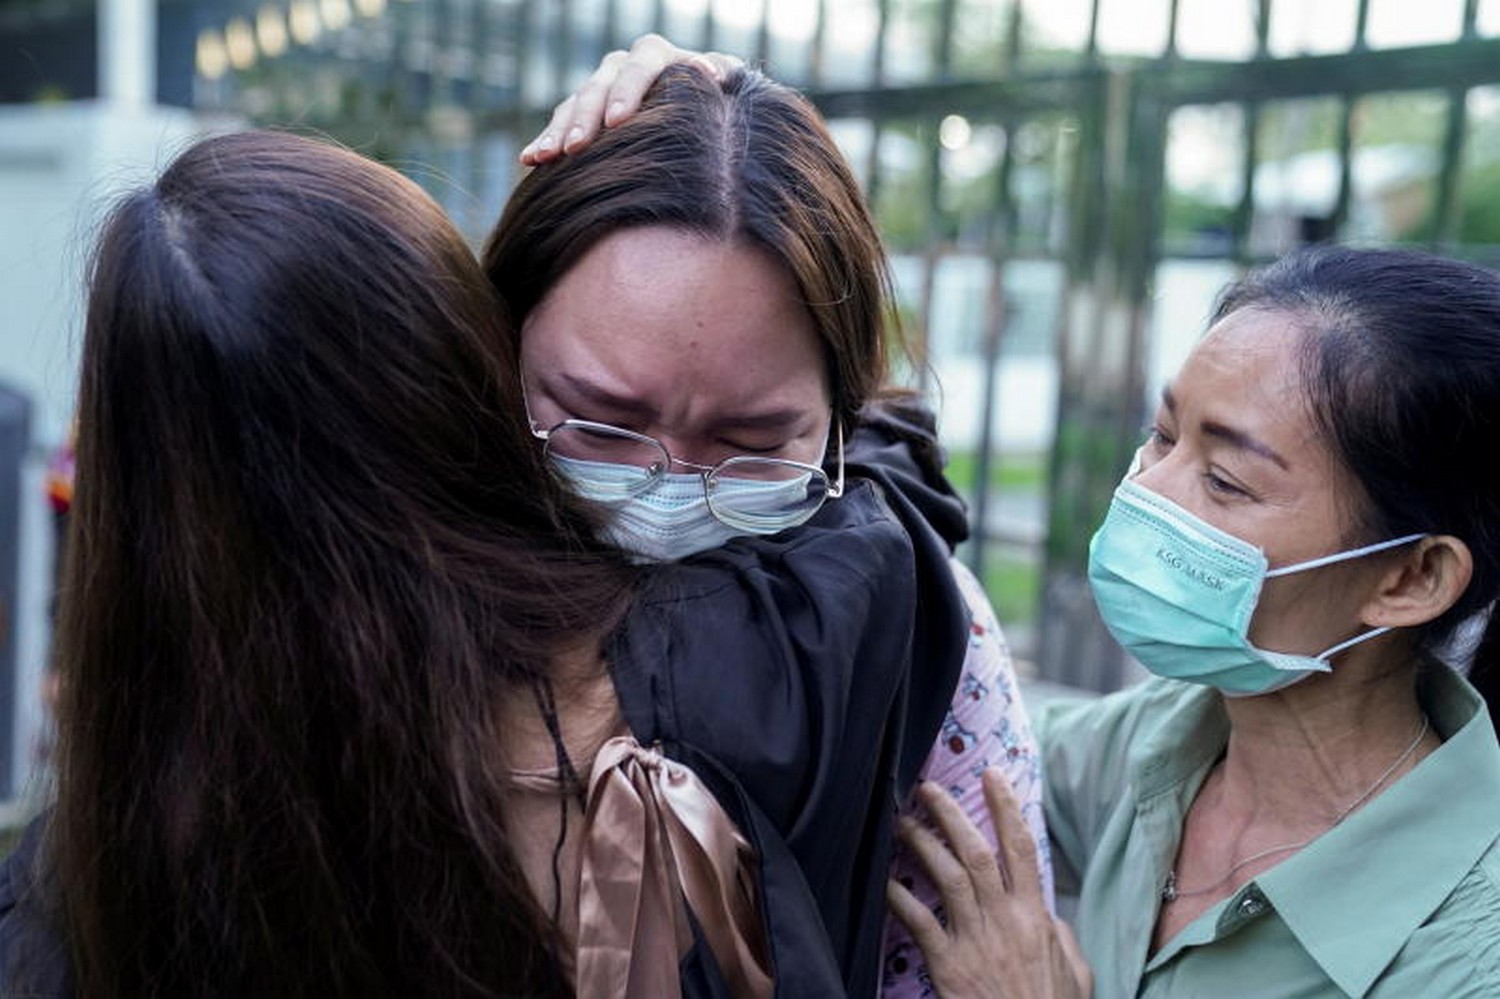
x=752 y=494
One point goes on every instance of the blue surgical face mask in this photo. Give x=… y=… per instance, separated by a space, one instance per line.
x=1178 y=594
x=670 y=520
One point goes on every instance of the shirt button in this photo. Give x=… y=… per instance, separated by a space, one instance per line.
x=1251 y=906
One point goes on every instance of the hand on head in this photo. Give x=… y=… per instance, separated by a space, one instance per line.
x=613 y=92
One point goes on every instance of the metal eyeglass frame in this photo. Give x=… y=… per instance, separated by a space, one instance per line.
x=708 y=474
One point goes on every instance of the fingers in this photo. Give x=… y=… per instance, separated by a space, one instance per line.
x=613 y=93
x=649 y=55
x=718 y=65
x=919 y=921
x=1017 y=848
x=548 y=145
x=967 y=843
x=579 y=117
x=963 y=869
x=1073 y=954
x=954 y=884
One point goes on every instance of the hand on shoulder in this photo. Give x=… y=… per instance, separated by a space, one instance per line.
x=999 y=941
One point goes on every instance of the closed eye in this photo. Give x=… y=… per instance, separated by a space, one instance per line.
x=1219 y=484
x=739 y=447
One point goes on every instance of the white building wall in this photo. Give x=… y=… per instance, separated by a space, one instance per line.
x=61 y=167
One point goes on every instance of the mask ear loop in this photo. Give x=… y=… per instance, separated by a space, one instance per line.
x=1287 y=570
x=1328 y=654
x=1316 y=563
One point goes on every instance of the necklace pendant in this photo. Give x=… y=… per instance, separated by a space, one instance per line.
x=1169 y=890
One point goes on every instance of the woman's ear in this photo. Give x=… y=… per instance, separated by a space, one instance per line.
x=1427 y=581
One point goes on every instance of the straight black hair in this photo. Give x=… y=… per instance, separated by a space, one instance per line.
x=315 y=549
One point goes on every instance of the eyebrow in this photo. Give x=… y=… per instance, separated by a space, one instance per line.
x=1234 y=437
x=771 y=419
x=598 y=395
x=615 y=402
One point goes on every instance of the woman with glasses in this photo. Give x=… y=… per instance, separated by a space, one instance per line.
x=1306 y=555
x=336 y=718
x=700 y=297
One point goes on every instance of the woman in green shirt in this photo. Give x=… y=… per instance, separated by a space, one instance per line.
x=1304 y=801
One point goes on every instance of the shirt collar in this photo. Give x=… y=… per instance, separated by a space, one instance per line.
x=1327 y=892
x=1172 y=755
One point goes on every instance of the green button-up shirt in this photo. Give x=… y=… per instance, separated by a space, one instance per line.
x=1402 y=899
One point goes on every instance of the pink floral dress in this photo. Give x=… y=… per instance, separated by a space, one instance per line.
x=985 y=726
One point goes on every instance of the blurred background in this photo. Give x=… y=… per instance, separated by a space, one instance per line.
x=1064 y=185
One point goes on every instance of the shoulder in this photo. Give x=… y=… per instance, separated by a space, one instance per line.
x=790 y=648
x=1456 y=952
x=1100 y=752
x=33 y=960
x=1105 y=724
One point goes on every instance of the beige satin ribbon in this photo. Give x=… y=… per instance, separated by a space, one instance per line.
x=654 y=837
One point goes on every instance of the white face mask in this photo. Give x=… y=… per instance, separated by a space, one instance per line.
x=672 y=519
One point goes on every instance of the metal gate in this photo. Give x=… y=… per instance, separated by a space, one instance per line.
x=1076 y=186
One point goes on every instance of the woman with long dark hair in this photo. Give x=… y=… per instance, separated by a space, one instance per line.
x=701 y=302
x=336 y=714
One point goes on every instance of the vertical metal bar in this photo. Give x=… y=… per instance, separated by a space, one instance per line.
x=1111 y=263
x=763 y=34
x=15 y=437
x=562 y=48
x=127 y=52
x=942 y=51
x=1449 y=208
x=1262 y=28
x=1244 y=212
x=1361 y=23
x=1091 y=47
x=1172 y=16
x=931 y=255
x=1014 y=38
x=1471 y=20
x=476 y=40
x=1346 y=173
x=439 y=69
x=872 y=166
x=709 y=33
x=997 y=246
x=659 y=17
x=609 y=31
x=882 y=29
x=523 y=48
x=816 y=61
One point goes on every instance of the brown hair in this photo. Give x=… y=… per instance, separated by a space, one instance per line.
x=315 y=546
x=747 y=160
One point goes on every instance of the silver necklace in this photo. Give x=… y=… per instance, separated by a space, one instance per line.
x=1171 y=893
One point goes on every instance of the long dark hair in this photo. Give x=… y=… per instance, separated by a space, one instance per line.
x=746 y=160
x=1402 y=368
x=314 y=548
